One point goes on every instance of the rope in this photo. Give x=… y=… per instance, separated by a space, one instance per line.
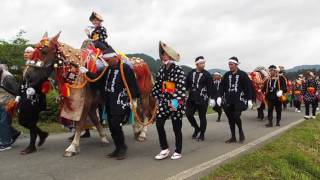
x=138 y=120
x=96 y=79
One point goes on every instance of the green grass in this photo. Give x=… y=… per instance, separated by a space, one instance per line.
x=293 y=155
x=51 y=127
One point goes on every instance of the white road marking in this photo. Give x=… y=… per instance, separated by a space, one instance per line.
x=211 y=163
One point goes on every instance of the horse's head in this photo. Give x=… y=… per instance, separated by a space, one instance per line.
x=47 y=50
x=42 y=61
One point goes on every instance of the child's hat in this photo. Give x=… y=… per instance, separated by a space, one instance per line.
x=95 y=15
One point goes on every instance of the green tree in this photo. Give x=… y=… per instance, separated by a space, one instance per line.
x=11 y=53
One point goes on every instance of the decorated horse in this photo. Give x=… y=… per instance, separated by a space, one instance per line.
x=258 y=77
x=79 y=97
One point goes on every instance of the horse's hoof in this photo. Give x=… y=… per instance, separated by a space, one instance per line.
x=141 y=139
x=136 y=135
x=103 y=144
x=69 y=154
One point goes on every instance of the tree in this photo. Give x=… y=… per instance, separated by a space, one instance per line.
x=11 y=53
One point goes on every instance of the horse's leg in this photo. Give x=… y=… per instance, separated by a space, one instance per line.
x=95 y=120
x=148 y=104
x=143 y=131
x=74 y=147
x=136 y=130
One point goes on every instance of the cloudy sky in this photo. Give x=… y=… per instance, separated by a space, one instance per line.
x=258 y=32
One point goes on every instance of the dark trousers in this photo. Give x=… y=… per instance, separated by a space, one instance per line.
x=313 y=105
x=115 y=126
x=297 y=104
x=233 y=113
x=218 y=109
x=260 y=110
x=29 y=120
x=192 y=107
x=177 y=125
x=274 y=104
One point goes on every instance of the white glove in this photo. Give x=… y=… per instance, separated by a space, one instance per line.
x=83 y=70
x=250 y=105
x=212 y=103
x=279 y=93
x=219 y=100
x=17 y=99
x=30 y=91
x=134 y=103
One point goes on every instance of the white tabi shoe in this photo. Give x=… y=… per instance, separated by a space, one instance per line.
x=163 y=154
x=307 y=117
x=176 y=156
x=313 y=117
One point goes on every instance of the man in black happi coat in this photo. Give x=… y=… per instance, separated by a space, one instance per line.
x=237 y=94
x=199 y=85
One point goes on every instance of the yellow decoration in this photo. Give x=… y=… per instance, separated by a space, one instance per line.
x=122 y=54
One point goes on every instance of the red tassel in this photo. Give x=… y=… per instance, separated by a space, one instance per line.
x=65 y=90
x=46 y=87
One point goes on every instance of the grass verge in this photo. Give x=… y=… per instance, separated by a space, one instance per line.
x=293 y=155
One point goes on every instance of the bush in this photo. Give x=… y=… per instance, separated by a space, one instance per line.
x=52 y=112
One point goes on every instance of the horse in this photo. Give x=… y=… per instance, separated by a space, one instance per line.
x=80 y=99
x=258 y=77
x=81 y=103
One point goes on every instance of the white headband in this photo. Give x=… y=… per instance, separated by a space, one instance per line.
x=216 y=73
x=233 y=61
x=29 y=49
x=200 y=61
x=110 y=55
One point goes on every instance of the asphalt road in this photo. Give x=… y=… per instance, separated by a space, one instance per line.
x=48 y=163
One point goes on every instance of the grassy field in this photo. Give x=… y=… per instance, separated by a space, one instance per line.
x=51 y=127
x=293 y=155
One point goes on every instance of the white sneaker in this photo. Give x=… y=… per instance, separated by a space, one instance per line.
x=299 y=111
x=176 y=156
x=307 y=117
x=163 y=154
x=313 y=117
x=3 y=148
x=317 y=109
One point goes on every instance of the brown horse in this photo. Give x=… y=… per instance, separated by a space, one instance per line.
x=80 y=99
x=146 y=107
x=80 y=105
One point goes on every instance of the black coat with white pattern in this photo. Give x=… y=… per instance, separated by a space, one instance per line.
x=176 y=75
x=99 y=34
x=236 y=88
x=307 y=96
x=199 y=85
x=114 y=92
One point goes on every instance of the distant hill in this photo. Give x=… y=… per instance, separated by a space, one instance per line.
x=154 y=64
x=304 y=67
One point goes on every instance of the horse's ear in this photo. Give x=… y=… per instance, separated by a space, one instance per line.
x=56 y=37
x=45 y=36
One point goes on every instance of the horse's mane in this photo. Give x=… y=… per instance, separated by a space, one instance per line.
x=71 y=53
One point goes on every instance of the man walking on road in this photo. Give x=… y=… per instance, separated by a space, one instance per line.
x=237 y=94
x=199 y=85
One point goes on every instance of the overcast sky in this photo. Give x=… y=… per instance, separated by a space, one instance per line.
x=258 y=32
